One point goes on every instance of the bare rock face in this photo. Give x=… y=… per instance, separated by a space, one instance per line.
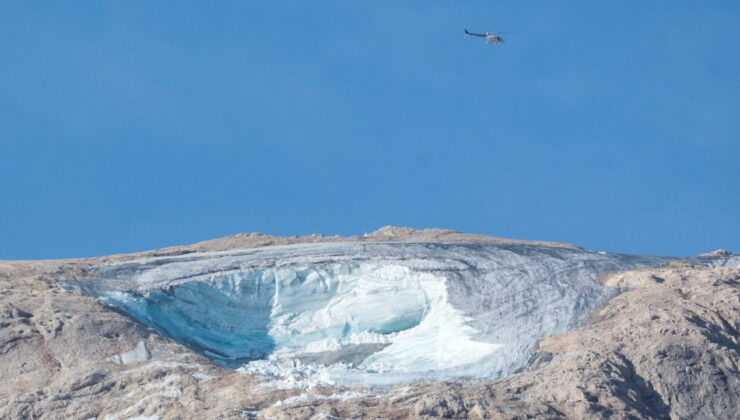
x=668 y=347
x=671 y=341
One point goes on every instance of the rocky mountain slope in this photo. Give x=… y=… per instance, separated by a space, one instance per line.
x=666 y=346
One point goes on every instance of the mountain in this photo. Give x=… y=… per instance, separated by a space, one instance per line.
x=392 y=324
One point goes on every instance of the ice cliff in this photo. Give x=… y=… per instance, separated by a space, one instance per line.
x=367 y=313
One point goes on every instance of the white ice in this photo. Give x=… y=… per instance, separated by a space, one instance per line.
x=372 y=313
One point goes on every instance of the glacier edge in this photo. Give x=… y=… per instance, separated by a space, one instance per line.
x=367 y=313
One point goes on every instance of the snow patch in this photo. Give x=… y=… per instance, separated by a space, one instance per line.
x=348 y=395
x=203 y=377
x=139 y=354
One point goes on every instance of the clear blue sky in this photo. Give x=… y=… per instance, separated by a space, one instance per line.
x=128 y=126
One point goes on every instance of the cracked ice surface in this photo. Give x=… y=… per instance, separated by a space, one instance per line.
x=369 y=313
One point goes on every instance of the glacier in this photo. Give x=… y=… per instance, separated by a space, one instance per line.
x=376 y=314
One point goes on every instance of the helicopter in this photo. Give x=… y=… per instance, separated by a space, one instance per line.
x=490 y=37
